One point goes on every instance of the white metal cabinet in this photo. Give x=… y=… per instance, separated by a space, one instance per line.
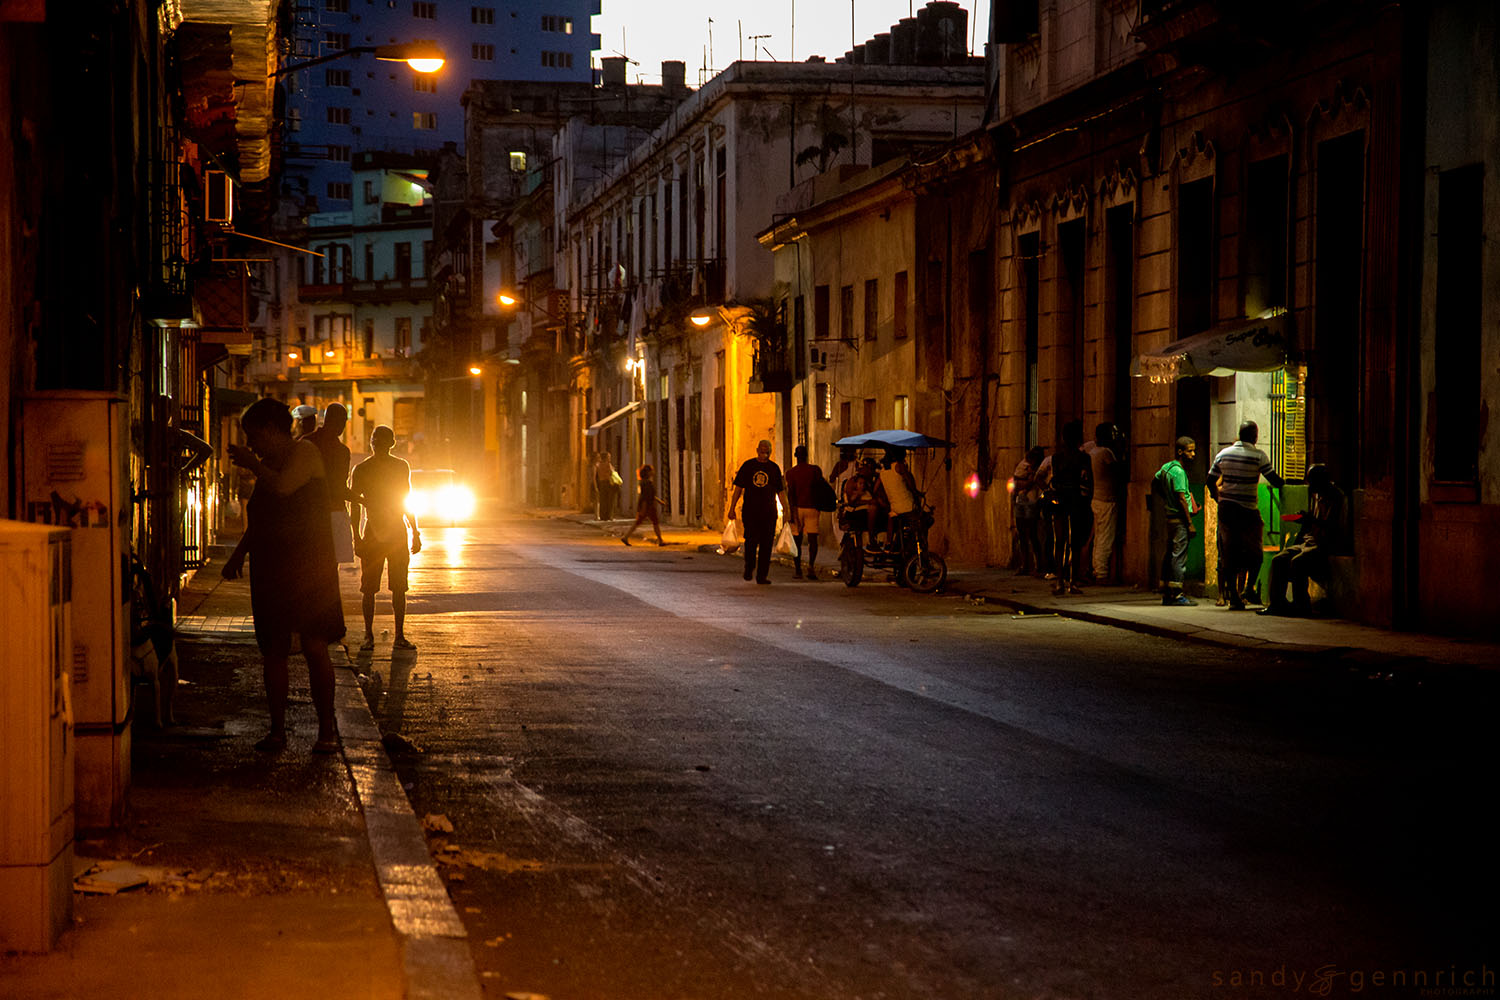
x=74 y=476
x=36 y=739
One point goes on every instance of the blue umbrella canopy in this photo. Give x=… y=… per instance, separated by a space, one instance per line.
x=891 y=439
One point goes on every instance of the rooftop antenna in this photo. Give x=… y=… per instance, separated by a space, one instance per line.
x=710 y=44
x=792 y=55
x=755 y=47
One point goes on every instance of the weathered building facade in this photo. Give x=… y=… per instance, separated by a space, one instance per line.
x=123 y=128
x=663 y=263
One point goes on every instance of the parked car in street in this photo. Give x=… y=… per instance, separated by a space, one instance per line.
x=438 y=497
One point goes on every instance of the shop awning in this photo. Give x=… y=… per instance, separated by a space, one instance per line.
x=1246 y=345
x=597 y=424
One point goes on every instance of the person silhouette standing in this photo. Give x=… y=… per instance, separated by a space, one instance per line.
x=329 y=440
x=379 y=489
x=294 y=586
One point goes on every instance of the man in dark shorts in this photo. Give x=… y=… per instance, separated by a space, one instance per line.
x=760 y=482
x=379 y=490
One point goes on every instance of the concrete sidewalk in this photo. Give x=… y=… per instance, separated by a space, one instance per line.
x=285 y=875
x=1142 y=611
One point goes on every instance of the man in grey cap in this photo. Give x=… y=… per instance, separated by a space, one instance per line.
x=304 y=420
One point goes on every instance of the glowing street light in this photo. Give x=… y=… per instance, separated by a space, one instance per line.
x=423 y=57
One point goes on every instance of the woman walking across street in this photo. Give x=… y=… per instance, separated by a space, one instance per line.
x=645 y=507
x=294 y=585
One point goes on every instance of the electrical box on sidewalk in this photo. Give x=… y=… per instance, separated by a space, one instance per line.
x=36 y=739
x=74 y=469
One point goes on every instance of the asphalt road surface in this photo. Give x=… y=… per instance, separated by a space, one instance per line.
x=665 y=782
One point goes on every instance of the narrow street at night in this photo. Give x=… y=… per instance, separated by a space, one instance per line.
x=664 y=782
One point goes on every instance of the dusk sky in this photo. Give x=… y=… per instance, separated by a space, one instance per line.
x=653 y=31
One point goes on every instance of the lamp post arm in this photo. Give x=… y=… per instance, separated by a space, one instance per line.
x=356 y=50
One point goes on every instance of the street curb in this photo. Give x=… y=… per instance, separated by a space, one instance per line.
x=1206 y=637
x=434 y=943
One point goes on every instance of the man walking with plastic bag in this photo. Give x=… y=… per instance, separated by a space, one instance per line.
x=760 y=483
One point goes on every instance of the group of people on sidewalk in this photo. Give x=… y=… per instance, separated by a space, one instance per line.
x=1065 y=512
x=299 y=530
x=1233 y=481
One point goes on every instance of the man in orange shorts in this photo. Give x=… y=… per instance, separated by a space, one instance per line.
x=804 y=519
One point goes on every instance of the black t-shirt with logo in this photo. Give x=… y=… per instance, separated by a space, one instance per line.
x=761 y=481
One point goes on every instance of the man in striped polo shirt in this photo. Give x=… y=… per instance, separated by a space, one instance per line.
x=1232 y=481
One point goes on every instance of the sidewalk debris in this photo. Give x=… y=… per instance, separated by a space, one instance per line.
x=107 y=877
x=437 y=823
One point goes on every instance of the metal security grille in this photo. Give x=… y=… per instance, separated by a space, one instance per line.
x=1288 y=420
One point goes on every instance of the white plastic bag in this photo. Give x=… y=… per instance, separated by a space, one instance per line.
x=733 y=537
x=786 y=543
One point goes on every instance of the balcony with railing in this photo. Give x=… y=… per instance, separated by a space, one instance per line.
x=770 y=368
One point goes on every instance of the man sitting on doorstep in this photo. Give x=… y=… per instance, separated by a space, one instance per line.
x=1234 y=480
x=1322 y=535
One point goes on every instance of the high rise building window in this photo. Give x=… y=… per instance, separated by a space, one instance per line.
x=335 y=41
x=336 y=6
x=484 y=53
x=482 y=15
x=518 y=160
x=372 y=196
x=562 y=25
x=558 y=60
x=338 y=116
x=424 y=83
x=340 y=190
x=338 y=154
x=426 y=11
x=336 y=78
x=424 y=119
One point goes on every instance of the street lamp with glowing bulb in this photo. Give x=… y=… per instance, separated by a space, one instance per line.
x=423 y=57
